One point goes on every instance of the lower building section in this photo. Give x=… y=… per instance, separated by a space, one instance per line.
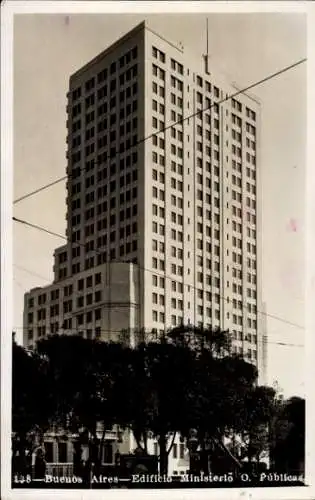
x=60 y=454
x=101 y=302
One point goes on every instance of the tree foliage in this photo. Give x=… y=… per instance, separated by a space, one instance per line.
x=162 y=375
x=187 y=381
x=288 y=436
x=254 y=425
x=31 y=405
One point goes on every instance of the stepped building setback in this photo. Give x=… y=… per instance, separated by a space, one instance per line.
x=163 y=201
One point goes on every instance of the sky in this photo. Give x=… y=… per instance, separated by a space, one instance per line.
x=246 y=47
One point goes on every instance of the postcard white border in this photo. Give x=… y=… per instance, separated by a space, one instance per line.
x=88 y=7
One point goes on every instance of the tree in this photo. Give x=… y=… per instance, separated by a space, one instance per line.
x=219 y=387
x=162 y=375
x=31 y=406
x=259 y=408
x=90 y=386
x=288 y=436
x=142 y=388
x=188 y=382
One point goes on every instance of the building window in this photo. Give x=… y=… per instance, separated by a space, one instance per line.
x=108 y=456
x=62 y=453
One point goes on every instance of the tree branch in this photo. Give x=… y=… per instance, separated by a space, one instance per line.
x=138 y=440
x=222 y=445
x=171 y=445
x=102 y=442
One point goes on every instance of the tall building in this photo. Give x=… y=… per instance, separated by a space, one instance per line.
x=163 y=203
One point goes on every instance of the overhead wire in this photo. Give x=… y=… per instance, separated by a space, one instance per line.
x=165 y=276
x=201 y=110
x=130 y=331
x=32 y=273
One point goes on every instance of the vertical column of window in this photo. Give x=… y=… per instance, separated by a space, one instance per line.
x=188 y=173
x=199 y=204
x=102 y=167
x=251 y=232
x=114 y=154
x=217 y=207
x=205 y=166
x=195 y=138
x=75 y=174
x=132 y=177
x=180 y=186
x=223 y=189
x=226 y=219
x=89 y=174
x=126 y=227
x=124 y=100
x=237 y=109
x=177 y=187
x=158 y=185
x=237 y=221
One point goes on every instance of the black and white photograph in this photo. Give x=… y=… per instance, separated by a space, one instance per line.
x=155 y=273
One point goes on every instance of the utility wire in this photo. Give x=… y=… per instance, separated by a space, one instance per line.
x=76 y=294
x=148 y=333
x=143 y=140
x=165 y=276
x=202 y=110
x=34 y=226
x=32 y=273
x=40 y=189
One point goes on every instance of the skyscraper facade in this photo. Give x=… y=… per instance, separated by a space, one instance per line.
x=163 y=218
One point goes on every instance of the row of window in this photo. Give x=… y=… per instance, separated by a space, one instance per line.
x=110 y=171
x=54 y=310
x=105 y=139
x=126 y=110
x=67 y=325
x=175 y=66
x=237 y=212
x=102 y=125
x=238 y=320
x=158 y=54
x=159 y=300
x=102 y=175
x=159 y=281
x=158 y=89
x=102 y=241
x=124 y=232
x=103 y=224
x=236 y=120
x=103 y=74
x=248 y=337
x=159 y=316
x=250 y=354
x=67 y=290
x=103 y=207
x=174 y=183
x=102 y=191
x=58 y=452
x=178 y=254
x=237 y=181
x=179 y=186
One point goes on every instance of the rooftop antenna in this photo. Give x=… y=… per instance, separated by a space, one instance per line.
x=207 y=28
x=206 y=56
